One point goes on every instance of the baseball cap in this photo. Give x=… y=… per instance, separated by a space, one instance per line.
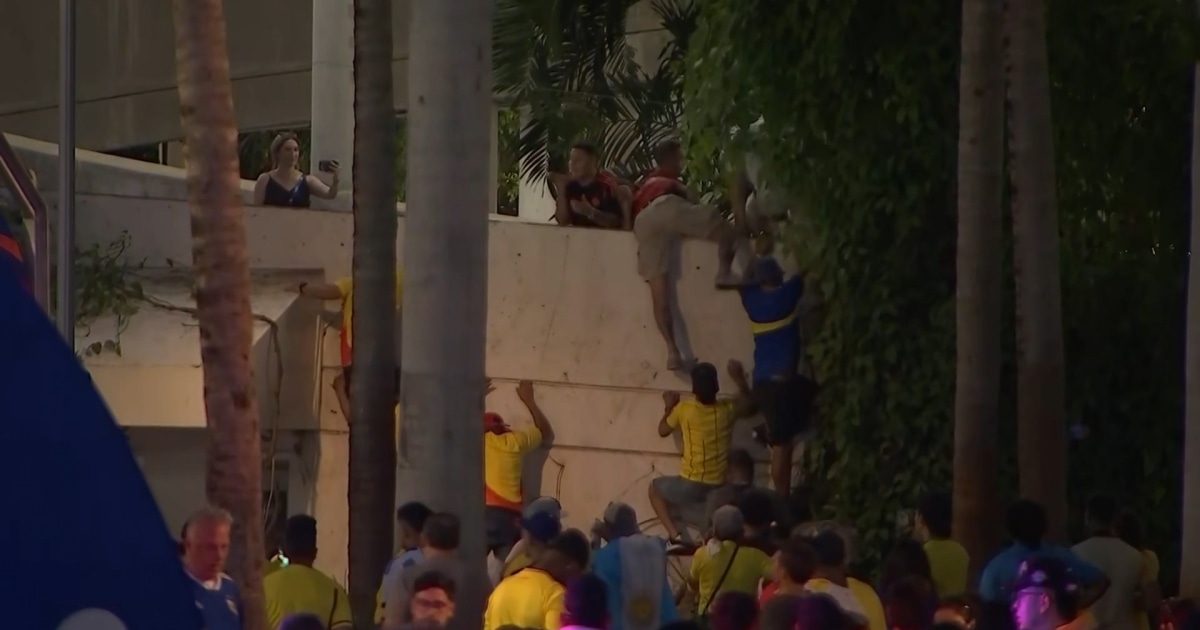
x=727 y=522
x=542 y=526
x=492 y=420
x=547 y=505
x=1045 y=572
x=621 y=519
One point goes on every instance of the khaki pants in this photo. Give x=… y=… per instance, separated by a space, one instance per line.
x=664 y=219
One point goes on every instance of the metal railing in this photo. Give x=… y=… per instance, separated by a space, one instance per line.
x=25 y=194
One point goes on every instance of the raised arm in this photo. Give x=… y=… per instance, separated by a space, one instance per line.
x=318 y=187
x=321 y=291
x=562 y=206
x=260 y=189
x=743 y=404
x=666 y=424
x=740 y=190
x=625 y=198
x=525 y=393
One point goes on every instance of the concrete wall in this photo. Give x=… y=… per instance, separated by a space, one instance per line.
x=126 y=67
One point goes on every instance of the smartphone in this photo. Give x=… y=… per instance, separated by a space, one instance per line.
x=326 y=166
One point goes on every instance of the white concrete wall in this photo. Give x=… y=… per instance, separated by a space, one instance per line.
x=566 y=310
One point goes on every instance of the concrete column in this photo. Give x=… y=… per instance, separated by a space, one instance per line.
x=333 y=93
x=534 y=203
x=176 y=154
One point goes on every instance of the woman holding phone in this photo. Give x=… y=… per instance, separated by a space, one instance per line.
x=285 y=184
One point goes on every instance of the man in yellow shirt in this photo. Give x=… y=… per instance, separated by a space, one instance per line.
x=948 y=560
x=533 y=597
x=343 y=292
x=504 y=451
x=298 y=587
x=856 y=598
x=707 y=427
x=541 y=522
x=724 y=565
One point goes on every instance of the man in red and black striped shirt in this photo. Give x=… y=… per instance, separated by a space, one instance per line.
x=590 y=197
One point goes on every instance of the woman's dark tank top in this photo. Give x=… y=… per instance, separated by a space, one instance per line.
x=298 y=196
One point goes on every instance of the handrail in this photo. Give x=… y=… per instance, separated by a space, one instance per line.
x=25 y=192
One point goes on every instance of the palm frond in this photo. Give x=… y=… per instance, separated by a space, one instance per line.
x=569 y=67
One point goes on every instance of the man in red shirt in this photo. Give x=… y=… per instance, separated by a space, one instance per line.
x=663 y=209
x=589 y=197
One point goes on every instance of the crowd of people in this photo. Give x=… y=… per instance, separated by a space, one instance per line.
x=754 y=559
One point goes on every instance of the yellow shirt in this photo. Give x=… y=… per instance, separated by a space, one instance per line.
x=706 y=430
x=748 y=568
x=502 y=455
x=1150 y=570
x=273 y=565
x=518 y=561
x=528 y=599
x=346 y=286
x=868 y=601
x=948 y=562
x=300 y=589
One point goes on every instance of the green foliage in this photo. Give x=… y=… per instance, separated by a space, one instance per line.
x=858 y=100
x=570 y=67
x=105 y=286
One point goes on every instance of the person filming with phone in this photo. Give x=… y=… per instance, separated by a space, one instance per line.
x=285 y=184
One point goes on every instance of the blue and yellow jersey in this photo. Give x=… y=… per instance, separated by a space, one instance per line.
x=773 y=314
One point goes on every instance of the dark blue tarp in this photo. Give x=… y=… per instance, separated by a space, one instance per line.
x=80 y=528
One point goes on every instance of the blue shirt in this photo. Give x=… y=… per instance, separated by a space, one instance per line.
x=220 y=605
x=606 y=565
x=996 y=583
x=774 y=321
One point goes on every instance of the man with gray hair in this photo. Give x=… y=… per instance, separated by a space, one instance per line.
x=634 y=568
x=205 y=549
x=723 y=564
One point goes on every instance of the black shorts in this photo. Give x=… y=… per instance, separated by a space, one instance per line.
x=786 y=406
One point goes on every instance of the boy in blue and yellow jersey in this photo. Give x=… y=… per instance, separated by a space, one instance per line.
x=781 y=394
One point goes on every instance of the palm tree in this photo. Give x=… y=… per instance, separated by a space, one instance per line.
x=980 y=184
x=234 y=465
x=569 y=67
x=373 y=423
x=1189 y=573
x=1041 y=426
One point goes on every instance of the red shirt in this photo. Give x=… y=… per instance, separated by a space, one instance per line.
x=767 y=591
x=600 y=193
x=655 y=185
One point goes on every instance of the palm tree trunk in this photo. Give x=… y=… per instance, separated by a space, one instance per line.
x=1189 y=571
x=234 y=465
x=373 y=424
x=980 y=184
x=1041 y=426
x=445 y=254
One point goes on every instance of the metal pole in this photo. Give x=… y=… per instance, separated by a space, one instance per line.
x=64 y=313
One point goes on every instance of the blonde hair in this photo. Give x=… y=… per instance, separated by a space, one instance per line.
x=277 y=144
x=208 y=514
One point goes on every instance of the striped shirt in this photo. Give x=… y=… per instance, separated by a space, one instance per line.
x=707 y=431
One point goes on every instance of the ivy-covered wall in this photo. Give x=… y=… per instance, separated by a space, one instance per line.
x=859 y=101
